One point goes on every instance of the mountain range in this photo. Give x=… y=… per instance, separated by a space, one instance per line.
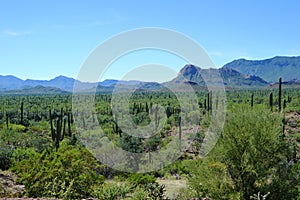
x=231 y=77
x=239 y=73
x=288 y=68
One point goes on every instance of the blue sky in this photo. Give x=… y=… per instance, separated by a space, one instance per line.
x=43 y=39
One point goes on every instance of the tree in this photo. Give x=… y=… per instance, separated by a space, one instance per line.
x=255 y=155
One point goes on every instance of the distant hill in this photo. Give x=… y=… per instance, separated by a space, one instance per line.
x=8 y=83
x=191 y=74
x=269 y=69
x=61 y=82
x=36 y=90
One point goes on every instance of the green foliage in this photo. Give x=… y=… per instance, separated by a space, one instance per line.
x=112 y=191
x=22 y=153
x=252 y=155
x=14 y=138
x=68 y=173
x=134 y=145
x=180 y=167
x=254 y=150
x=139 y=193
x=210 y=179
x=5 y=157
x=141 y=179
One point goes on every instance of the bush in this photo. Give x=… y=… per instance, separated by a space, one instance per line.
x=112 y=191
x=252 y=155
x=68 y=173
x=141 y=179
x=210 y=179
x=5 y=157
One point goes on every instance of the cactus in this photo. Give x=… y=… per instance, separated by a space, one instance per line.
x=289 y=99
x=208 y=101
x=284 y=104
x=69 y=124
x=51 y=126
x=116 y=127
x=147 y=108
x=279 y=94
x=64 y=127
x=58 y=133
x=179 y=125
x=252 y=100
x=271 y=101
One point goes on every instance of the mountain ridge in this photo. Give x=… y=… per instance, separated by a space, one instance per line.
x=231 y=78
x=287 y=67
x=189 y=74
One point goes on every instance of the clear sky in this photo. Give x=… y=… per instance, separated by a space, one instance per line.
x=44 y=39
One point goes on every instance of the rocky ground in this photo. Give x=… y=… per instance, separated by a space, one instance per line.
x=8 y=188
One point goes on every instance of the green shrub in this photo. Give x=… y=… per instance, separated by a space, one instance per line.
x=5 y=157
x=141 y=179
x=112 y=190
x=139 y=193
x=68 y=173
x=252 y=155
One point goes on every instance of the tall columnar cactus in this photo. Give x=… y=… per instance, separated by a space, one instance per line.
x=116 y=127
x=179 y=125
x=252 y=100
x=58 y=134
x=211 y=100
x=279 y=94
x=147 y=108
x=51 y=125
x=271 y=101
x=179 y=135
x=208 y=101
x=22 y=113
x=69 y=124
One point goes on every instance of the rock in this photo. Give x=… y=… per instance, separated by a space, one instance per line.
x=8 y=188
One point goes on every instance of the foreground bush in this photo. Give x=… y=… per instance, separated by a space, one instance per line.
x=69 y=173
x=252 y=155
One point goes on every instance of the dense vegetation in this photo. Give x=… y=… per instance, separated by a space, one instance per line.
x=257 y=154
